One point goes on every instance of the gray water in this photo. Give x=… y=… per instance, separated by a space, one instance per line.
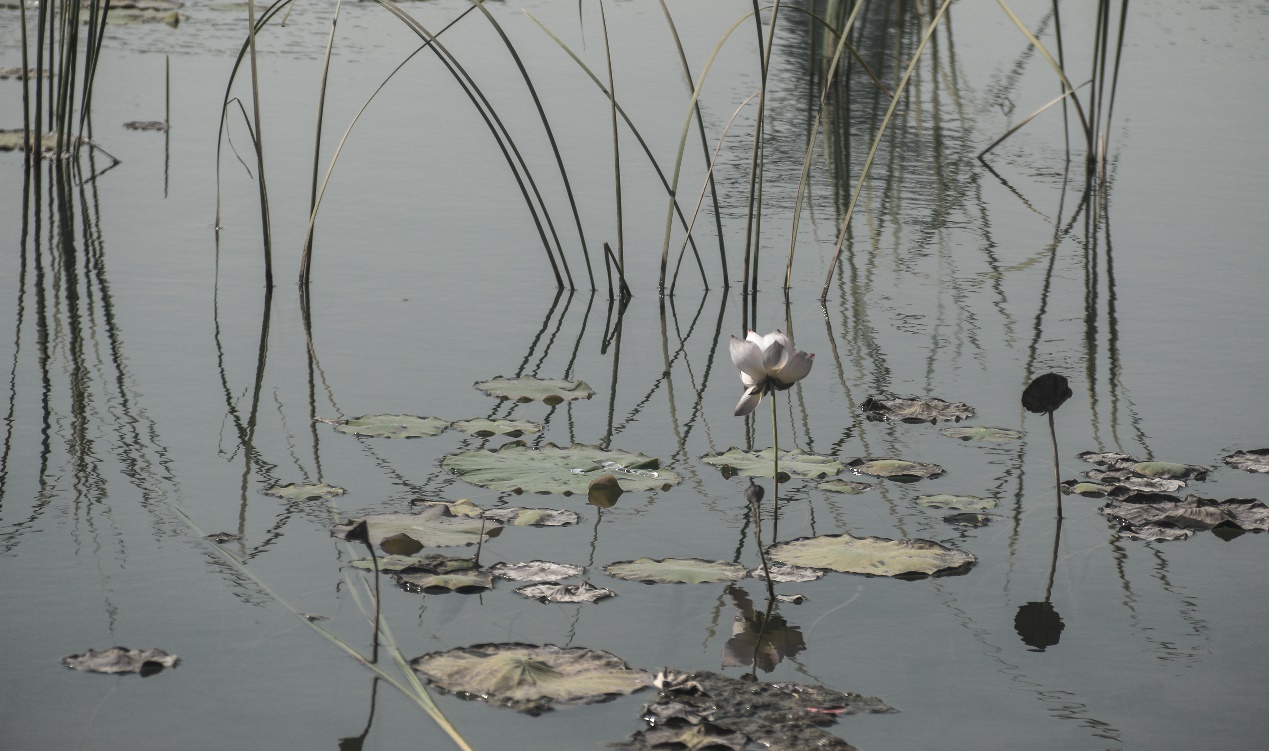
x=140 y=348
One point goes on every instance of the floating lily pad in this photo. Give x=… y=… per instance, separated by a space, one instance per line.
x=931 y=409
x=530 y=678
x=1170 y=470
x=551 y=469
x=391 y=426
x=1156 y=516
x=1125 y=478
x=296 y=491
x=22 y=73
x=432 y=563
x=899 y=470
x=220 y=538
x=466 y=582
x=145 y=662
x=1087 y=489
x=983 y=434
x=969 y=519
x=535 y=571
x=706 y=710
x=958 y=502
x=849 y=487
x=11 y=140
x=550 y=391
x=565 y=593
x=400 y=544
x=1255 y=460
x=783 y=572
x=461 y=507
x=874 y=556
x=484 y=427
x=532 y=517
x=1105 y=458
x=795 y=463
x=436 y=526
x=676 y=571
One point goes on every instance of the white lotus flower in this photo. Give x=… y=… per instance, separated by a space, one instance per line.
x=767 y=363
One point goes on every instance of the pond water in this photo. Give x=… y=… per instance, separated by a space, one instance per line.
x=147 y=371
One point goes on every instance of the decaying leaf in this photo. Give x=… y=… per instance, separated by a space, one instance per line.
x=566 y=593
x=982 y=434
x=676 y=571
x=462 y=582
x=873 y=556
x=931 y=409
x=784 y=573
x=849 y=487
x=1255 y=460
x=530 y=678
x=145 y=662
x=532 y=517
x=1156 y=516
x=435 y=526
x=969 y=519
x=1046 y=393
x=535 y=571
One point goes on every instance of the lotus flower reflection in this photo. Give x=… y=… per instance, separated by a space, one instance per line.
x=767 y=363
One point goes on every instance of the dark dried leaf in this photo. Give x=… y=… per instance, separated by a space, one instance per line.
x=145 y=662
x=931 y=409
x=1046 y=393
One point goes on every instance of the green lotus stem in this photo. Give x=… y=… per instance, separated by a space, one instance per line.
x=775 y=475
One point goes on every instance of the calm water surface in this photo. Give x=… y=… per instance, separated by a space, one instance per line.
x=140 y=351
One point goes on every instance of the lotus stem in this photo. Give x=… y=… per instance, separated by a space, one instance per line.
x=1057 y=476
x=775 y=474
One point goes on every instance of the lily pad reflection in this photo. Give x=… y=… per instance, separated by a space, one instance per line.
x=300 y=492
x=484 y=427
x=982 y=434
x=518 y=468
x=530 y=678
x=873 y=556
x=391 y=426
x=958 y=502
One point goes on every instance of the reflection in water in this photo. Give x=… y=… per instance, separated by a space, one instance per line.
x=759 y=639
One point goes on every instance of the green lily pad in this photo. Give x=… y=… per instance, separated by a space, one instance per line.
x=466 y=582
x=565 y=593
x=392 y=426
x=535 y=571
x=1169 y=470
x=873 y=556
x=984 y=434
x=432 y=563
x=958 y=502
x=899 y=470
x=1087 y=489
x=518 y=468
x=483 y=427
x=436 y=526
x=676 y=571
x=550 y=391
x=532 y=517
x=849 y=487
x=300 y=492
x=931 y=409
x=1255 y=460
x=793 y=464
x=530 y=678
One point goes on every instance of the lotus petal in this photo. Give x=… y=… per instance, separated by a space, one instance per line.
x=749 y=401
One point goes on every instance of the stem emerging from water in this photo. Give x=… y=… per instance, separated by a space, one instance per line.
x=775 y=478
x=1057 y=476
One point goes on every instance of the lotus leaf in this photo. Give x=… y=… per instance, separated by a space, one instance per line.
x=566 y=593
x=1156 y=516
x=466 y=583
x=392 y=426
x=782 y=572
x=435 y=526
x=1106 y=459
x=1128 y=479
x=988 y=435
x=220 y=538
x=535 y=571
x=551 y=469
x=958 y=502
x=550 y=391
x=1168 y=470
x=530 y=678
x=874 y=556
x=532 y=517
x=484 y=427
x=461 y=507
x=931 y=410
x=849 y=487
x=400 y=544
x=1255 y=460
x=969 y=519
x=145 y=662
x=1088 y=489
x=431 y=563
x=899 y=470
x=300 y=492
x=786 y=716
x=795 y=463
x=676 y=571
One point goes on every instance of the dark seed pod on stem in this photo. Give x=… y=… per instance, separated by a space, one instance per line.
x=1046 y=393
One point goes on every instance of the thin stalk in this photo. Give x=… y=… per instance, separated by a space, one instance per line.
x=876 y=143
x=1057 y=475
x=775 y=471
x=259 y=142
x=1088 y=132
x=754 y=495
x=1028 y=119
x=616 y=141
x=753 y=222
x=306 y=268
